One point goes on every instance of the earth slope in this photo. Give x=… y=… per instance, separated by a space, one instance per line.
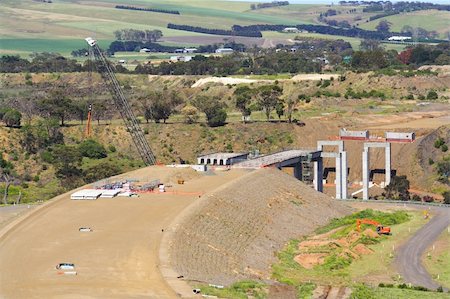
x=234 y=232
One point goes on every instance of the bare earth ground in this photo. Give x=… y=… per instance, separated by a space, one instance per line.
x=119 y=259
x=234 y=232
x=231 y=80
x=9 y=213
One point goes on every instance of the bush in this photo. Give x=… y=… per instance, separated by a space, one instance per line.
x=428 y=198
x=12 y=118
x=100 y=171
x=217 y=118
x=432 y=95
x=439 y=142
x=112 y=148
x=446 y=196
x=430 y=161
x=362 y=291
x=444 y=148
x=92 y=149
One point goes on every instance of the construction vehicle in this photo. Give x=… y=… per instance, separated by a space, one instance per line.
x=381 y=230
x=105 y=69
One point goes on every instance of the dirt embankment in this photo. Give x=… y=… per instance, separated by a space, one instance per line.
x=233 y=233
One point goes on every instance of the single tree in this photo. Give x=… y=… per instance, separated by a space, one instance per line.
x=12 y=118
x=268 y=97
x=384 y=26
x=243 y=95
x=57 y=105
x=190 y=114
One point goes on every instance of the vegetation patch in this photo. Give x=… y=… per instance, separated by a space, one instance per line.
x=238 y=290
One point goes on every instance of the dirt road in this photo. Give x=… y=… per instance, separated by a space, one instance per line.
x=119 y=259
x=409 y=255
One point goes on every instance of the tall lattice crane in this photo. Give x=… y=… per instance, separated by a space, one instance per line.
x=105 y=70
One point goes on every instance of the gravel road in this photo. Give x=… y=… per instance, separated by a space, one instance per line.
x=409 y=257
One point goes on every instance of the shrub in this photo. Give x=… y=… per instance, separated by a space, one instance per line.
x=439 y=142
x=428 y=198
x=444 y=148
x=100 y=171
x=446 y=196
x=430 y=161
x=92 y=149
x=36 y=178
x=112 y=148
x=432 y=95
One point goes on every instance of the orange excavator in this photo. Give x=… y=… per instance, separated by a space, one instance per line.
x=381 y=230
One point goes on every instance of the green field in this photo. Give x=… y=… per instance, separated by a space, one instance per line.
x=427 y=19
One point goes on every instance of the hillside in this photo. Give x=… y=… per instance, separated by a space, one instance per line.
x=176 y=141
x=234 y=230
x=61 y=26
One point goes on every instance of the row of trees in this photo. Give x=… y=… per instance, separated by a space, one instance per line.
x=143 y=36
x=248 y=33
x=268 y=5
x=173 y=12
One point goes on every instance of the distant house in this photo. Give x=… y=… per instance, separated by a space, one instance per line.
x=190 y=50
x=399 y=38
x=122 y=61
x=291 y=30
x=179 y=50
x=224 y=51
x=144 y=50
x=180 y=58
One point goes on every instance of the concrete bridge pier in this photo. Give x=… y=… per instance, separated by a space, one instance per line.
x=318 y=174
x=298 y=170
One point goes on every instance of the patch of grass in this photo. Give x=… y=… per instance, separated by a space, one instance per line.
x=305 y=291
x=238 y=290
x=389 y=293
x=382 y=217
x=438 y=263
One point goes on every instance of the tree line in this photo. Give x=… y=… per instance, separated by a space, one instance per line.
x=173 y=12
x=268 y=5
x=143 y=36
x=247 y=33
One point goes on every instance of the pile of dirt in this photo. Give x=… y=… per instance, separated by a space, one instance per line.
x=234 y=233
x=314 y=250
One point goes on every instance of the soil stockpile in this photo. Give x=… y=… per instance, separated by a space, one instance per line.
x=235 y=232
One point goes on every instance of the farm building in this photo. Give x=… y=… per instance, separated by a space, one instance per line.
x=224 y=51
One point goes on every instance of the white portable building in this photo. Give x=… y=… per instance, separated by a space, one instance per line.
x=109 y=193
x=86 y=194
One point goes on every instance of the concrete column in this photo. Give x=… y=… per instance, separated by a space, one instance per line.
x=338 y=176
x=298 y=170
x=387 y=152
x=344 y=175
x=366 y=173
x=318 y=174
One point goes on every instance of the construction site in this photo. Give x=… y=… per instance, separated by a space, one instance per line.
x=283 y=220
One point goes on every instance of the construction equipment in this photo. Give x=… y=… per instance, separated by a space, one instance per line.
x=88 y=123
x=104 y=68
x=381 y=230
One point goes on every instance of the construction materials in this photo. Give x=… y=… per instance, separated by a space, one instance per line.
x=381 y=230
x=130 y=120
x=85 y=229
x=109 y=193
x=353 y=135
x=400 y=137
x=86 y=194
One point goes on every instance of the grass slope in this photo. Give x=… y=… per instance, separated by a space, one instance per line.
x=427 y=19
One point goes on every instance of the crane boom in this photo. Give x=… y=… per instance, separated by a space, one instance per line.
x=122 y=104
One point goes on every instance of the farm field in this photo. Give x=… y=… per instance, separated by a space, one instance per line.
x=28 y=26
x=427 y=19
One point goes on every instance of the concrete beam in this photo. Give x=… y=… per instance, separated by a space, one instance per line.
x=366 y=173
x=344 y=175
x=338 y=177
x=318 y=175
x=387 y=152
x=338 y=143
x=298 y=170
